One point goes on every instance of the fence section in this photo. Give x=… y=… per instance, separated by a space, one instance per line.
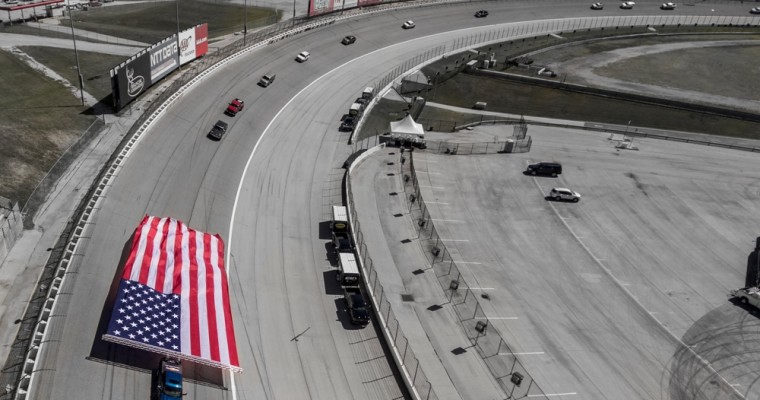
x=11 y=225
x=493 y=349
x=412 y=373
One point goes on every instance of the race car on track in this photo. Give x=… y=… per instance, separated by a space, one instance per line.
x=408 y=24
x=481 y=14
x=755 y=10
x=597 y=6
x=627 y=5
x=350 y=39
x=234 y=107
x=668 y=6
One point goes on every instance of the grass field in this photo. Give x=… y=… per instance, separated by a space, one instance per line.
x=151 y=22
x=38 y=120
x=95 y=67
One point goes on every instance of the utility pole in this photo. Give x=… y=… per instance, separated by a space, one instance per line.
x=76 y=53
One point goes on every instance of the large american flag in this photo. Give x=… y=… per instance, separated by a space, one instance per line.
x=173 y=297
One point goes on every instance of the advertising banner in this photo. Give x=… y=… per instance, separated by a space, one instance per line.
x=186 y=46
x=132 y=79
x=317 y=7
x=164 y=58
x=201 y=40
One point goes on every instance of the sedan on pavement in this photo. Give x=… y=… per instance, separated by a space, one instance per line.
x=565 y=194
x=219 y=129
x=408 y=24
x=481 y=14
x=350 y=39
x=668 y=6
x=597 y=6
x=303 y=56
x=627 y=5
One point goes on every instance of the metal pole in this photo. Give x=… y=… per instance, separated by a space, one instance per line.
x=176 y=2
x=294 y=12
x=76 y=53
x=245 y=20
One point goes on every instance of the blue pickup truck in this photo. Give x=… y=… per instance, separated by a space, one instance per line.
x=169 y=380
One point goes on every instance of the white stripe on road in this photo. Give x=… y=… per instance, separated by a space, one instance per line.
x=552 y=394
x=529 y=353
x=446 y=220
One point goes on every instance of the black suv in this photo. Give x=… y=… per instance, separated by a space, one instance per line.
x=545 y=168
x=219 y=129
x=357 y=307
x=348 y=40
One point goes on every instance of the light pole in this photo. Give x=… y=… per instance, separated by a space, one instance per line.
x=245 y=20
x=294 y=12
x=76 y=53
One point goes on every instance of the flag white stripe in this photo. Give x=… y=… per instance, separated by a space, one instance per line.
x=221 y=328
x=185 y=330
x=171 y=239
x=141 y=245
x=156 y=253
x=201 y=297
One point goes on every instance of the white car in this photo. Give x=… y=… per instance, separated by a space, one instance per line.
x=668 y=6
x=627 y=5
x=755 y=10
x=408 y=24
x=597 y=6
x=303 y=56
x=564 y=194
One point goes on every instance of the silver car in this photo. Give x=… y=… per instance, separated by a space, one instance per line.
x=564 y=194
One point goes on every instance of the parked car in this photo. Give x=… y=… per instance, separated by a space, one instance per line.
x=234 y=107
x=357 y=307
x=565 y=194
x=755 y=10
x=267 y=80
x=408 y=24
x=303 y=56
x=348 y=124
x=545 y=168
x=350 y=39
x=481 y=14
x=627 y=5
x=219 y=129
x=597 y=6
x=668 y=6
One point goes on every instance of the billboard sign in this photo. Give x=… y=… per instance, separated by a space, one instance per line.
x=186 y=46
x=201 y=40
x=317 y=7
x=133 y=78
x=164 y=58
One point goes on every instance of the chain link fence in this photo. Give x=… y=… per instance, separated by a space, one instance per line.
x=493 y=349
x=406 y=360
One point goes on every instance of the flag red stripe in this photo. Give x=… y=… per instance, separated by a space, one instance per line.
x=231 y=343
x=163 y=254
x=144 y=267
x=133 y=251
x=195 y=341
x=212 y=334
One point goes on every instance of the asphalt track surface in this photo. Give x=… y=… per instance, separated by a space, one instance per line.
x=606 y=298
x=293 y=338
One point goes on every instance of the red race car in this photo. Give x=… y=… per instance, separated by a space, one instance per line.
x=234 y=107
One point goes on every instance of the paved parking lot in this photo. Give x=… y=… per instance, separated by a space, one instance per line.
x=608 y=297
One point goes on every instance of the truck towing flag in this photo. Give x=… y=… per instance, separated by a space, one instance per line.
x=173 y=297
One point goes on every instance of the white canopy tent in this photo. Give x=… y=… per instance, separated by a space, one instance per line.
x=407 y=127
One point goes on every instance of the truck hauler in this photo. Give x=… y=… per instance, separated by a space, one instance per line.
x=748 y=295
x=342 y=242
x=170 y=380
x=368 y=92
x=348 y=271
x=339 y=219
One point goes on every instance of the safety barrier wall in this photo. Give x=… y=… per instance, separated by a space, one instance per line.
x=413 y=376
x=11 y=225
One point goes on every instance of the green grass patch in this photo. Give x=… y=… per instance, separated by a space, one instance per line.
x=38 y=121
x=464 y=90
x=95 y=67
x=153 y=21
x=24 y=29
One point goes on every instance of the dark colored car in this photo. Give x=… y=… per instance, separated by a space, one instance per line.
x=481 y=14
x=219 y=129
x=348 y=124
x=234 y=107
x=350 y=39
x=357 y=307
x=545 y=168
